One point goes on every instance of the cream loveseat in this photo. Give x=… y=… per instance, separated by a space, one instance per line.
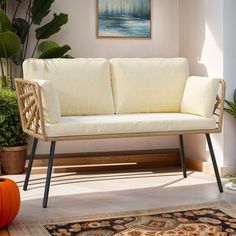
x=74 y=99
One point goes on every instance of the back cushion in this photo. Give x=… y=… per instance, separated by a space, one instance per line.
x=50 y=102
x=149 y=85
x=200 y=96
x=83 y=85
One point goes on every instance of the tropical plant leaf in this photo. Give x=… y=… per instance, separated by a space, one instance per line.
x=55 y=52
x=40 y=9
x=231 y=105
x=45 y=45
x=230 y=112
x=52 y=27
x=21 y=27
x=17 y=59
x=5 y=23
x=235 y=96
x=67 y=56
x=10 y=44
x=2 y=2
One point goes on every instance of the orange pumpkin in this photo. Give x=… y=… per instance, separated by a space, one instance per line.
x=9 y=201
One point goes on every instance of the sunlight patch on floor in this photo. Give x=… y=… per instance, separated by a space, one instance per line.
x=72 y=183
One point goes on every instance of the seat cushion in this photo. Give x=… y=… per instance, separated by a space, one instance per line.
x=83 y=85
x=50 y=102
x=132 y=123
x=148 y=85
x=200 y=96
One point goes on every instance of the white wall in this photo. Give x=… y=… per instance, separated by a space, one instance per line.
x=201 y=36
x=207 y=38
x=80 y=34
x=201 y=40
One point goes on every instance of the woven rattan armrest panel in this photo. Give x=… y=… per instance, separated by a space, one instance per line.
x=219 y=106
x=30 y=107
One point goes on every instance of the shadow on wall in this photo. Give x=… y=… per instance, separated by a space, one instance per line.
x=201 y=34
x=192 y=34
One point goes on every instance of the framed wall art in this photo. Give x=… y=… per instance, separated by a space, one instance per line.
x=124 y=18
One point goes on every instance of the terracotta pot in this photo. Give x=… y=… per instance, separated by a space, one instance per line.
x=13 y=159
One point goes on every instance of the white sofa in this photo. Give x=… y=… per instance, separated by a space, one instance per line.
x=74 y=99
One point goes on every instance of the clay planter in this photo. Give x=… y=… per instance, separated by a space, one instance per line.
x=13 y=159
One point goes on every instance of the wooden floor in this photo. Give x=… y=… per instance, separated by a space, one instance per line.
x=74 y=195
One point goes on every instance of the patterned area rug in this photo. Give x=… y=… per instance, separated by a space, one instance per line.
x=215 y=219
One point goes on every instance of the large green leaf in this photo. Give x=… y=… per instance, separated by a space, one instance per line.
x=45 y=45
x=235 y=96
x=230 y=112
x=17 y=59
x=5 y=23
x=231 y=105
x=55 y=52
x=40 y=9
x=67 y=56
x=21 y=27
x=2 y=2
x=10 y=44
x=52 y=27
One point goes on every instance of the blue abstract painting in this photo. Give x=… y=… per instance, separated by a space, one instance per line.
x=124 y=18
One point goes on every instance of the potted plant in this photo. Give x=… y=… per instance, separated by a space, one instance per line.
x=231 y=105
x=12 y=139
x=10 y=45
x=231 y=109
x=14 y=40
x=30 y=23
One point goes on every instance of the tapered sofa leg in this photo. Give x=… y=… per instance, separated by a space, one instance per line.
x=214 y=162
x=49 y=173
x=182 y=156
x=35 y=142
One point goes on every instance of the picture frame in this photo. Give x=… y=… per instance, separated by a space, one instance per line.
x=124 y=19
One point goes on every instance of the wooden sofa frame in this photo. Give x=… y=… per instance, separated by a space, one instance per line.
x=32 y=118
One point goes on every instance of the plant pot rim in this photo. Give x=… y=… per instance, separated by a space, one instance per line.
x=14 y=149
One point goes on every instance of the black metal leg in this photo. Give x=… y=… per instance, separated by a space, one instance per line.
x=30 y=164
x=214 y=163
x=48 y=180
x=182 y=156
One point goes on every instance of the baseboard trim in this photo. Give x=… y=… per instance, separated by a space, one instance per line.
x=223 y=170
x=194 y=164
x=122 y=160
x=207 y=167
x=108 y=161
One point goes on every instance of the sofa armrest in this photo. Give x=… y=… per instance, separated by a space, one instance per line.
x=219 y=106
x=31 y=108
x=203 y=97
